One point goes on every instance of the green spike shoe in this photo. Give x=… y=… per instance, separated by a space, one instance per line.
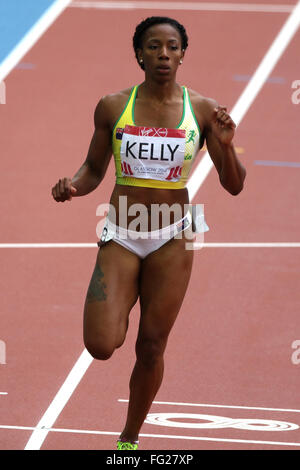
x=125 y=445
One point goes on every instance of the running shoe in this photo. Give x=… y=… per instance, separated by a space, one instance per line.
x=125 y=445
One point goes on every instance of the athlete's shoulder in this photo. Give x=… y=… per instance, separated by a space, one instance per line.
x=110 y=106
x=202 y=102
x=203 y=107
x=116 y=98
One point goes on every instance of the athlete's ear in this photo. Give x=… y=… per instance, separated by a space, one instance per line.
x=140 y=56
x=182 y=55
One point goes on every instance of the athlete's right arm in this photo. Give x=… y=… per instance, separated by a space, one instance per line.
x=93 y=170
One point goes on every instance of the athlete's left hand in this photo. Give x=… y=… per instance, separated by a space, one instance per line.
x=222 y=125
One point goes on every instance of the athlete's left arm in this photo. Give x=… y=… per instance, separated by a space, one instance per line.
x=219 y=132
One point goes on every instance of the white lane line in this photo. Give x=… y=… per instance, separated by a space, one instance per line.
x=59 y=401
x=3 y=393
x=159 y=436
x=248 y=245
x=251 y=91
x=204 y=245
x=32 y=36
x=38 y=436
x=206 y=405
x=191 y=6
x=48 y=245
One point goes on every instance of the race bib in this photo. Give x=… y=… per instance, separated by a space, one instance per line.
x=153 y=153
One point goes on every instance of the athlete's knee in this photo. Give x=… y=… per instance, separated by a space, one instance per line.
x=100 y=351
x=150 y=351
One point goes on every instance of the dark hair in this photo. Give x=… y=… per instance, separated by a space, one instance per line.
x=151 y=21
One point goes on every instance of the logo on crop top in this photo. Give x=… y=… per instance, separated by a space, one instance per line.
x=153 y=131
x=191 y=136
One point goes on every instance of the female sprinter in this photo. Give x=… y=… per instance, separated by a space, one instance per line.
x=154 y=130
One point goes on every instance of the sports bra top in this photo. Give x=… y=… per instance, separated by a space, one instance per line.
x=155 y=157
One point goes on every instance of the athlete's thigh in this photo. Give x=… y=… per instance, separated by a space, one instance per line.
x=165 y=275
x=112 y=292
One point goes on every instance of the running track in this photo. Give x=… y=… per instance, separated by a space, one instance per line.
x=230 y=354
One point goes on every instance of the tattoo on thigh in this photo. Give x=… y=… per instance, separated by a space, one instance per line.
x=96 y=288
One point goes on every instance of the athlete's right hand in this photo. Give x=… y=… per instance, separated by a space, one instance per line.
x=63 y=190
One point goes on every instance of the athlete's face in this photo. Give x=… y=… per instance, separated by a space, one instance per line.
x=162 y=50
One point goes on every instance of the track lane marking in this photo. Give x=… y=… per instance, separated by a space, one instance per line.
x=251 y=91
x=58 y=403
x=261 y=74
x=204 y=245
x=32 y=36
x=191 y=6
x=159 y=436
x=206 y=405
x=277 y=163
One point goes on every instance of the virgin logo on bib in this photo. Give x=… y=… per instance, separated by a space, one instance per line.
x=151 y=152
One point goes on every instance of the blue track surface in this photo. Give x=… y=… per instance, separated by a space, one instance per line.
x=16 y=18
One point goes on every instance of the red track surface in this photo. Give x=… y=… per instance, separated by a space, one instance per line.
x=232 y=342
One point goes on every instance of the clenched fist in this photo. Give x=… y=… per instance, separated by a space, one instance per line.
x=222 y=125
x=63 y=190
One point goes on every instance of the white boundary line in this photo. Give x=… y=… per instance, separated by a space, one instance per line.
x=32 y=36
x=159 y=436
x=206 y=405
x=251 y=91
x=191 y=6
x=48 y=245
x=281 y=41
x=204 y=245
x=58 y=403
x=249 y=245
